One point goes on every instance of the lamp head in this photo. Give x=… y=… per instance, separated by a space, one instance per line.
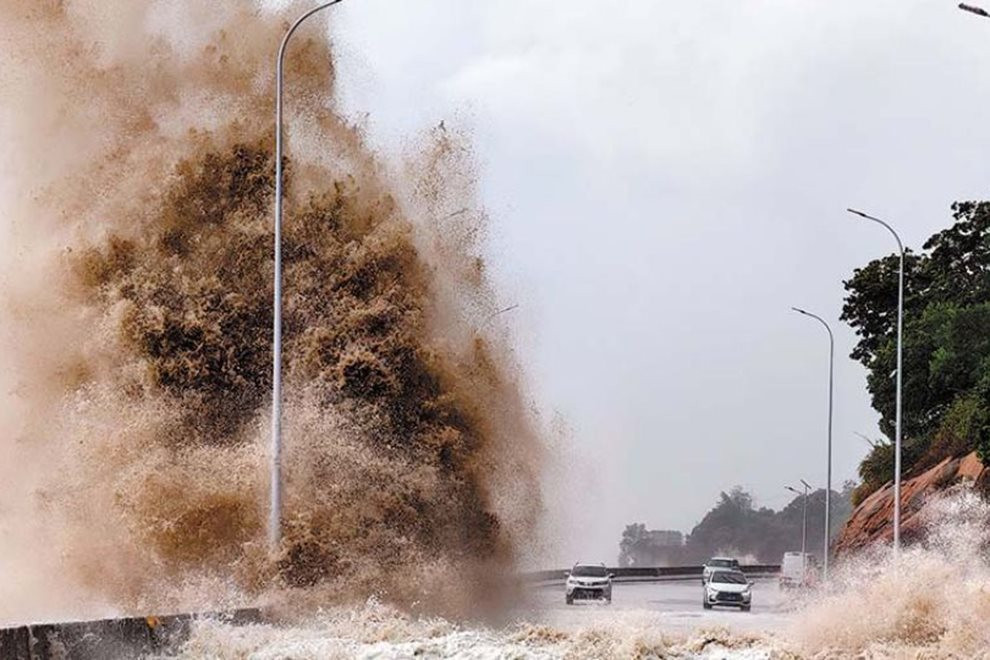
x=979 y=11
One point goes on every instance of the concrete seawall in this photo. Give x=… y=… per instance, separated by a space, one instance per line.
x=109 y=638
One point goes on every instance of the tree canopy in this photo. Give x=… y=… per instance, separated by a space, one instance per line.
x=735 y=526
x=946 y=407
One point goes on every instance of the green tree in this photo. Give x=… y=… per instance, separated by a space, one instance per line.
x=736 y=526
x=946 y=345
x=632 y=537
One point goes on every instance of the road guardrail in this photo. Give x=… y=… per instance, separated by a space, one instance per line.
x=649 y=573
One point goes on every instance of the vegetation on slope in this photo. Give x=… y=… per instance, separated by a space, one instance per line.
x=946 y=407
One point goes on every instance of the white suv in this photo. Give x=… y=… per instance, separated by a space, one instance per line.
x=588 y=581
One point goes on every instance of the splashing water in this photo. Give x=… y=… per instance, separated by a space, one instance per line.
x=934 y=598
x=932 y=602
x=376 y=631
x=136 y=186
x=138 y=177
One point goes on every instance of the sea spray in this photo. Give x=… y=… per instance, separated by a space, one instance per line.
x=932 y=603
x=933 y=599
x=138 y=184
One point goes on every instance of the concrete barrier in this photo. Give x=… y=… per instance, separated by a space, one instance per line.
x=109 y=638
x=15 y=644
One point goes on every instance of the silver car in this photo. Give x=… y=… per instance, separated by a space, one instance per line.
x=718 y=564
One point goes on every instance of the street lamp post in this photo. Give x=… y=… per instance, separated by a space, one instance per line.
x=900 y=346
x=804 y=517
x=275 y=511
x=828 y=481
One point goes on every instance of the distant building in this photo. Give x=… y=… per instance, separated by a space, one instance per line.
x=651 y=547
x=665 y=537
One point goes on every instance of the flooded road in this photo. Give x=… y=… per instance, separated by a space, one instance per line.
x=645 y=620
x=673 y=606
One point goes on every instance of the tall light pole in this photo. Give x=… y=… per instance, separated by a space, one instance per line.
x=275 y=511
x=900 y=347
x=828 y=481
x=804 y=517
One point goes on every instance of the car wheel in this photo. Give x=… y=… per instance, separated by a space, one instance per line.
x=705 y=603
x=745 y=608
x=569 y=600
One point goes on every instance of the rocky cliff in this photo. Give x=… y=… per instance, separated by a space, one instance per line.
x=871 y=520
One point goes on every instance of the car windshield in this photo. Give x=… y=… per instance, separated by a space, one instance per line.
x=726 y=577
x=723 y=563
x=589 y=571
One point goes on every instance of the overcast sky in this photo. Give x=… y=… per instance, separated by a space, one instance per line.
x=665 y=179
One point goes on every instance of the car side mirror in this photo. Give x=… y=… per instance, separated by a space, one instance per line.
x=751 y=583
x=611 y=576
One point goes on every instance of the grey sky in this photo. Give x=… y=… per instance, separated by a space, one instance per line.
x=665 y=180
